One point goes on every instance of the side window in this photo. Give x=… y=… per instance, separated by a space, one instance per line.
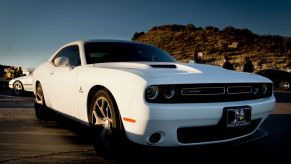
x=72 y=53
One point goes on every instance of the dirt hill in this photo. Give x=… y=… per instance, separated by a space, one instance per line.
x=211 y=43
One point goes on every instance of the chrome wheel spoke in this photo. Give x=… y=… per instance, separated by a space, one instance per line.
x=101 y=107
x=110 y=120
x=98 y=120
x=102 y=113
x=108 y=114
x=39 y=96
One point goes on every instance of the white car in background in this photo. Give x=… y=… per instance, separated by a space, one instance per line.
x=123 y=88
x=21 y=84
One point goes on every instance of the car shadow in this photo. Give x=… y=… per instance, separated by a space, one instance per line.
x=266 y=149
x=272 y=148
x=9 y=92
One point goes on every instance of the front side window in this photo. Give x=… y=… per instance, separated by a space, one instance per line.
x=101 y=52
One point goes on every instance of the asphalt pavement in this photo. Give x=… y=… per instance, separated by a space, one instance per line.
x=23 y=139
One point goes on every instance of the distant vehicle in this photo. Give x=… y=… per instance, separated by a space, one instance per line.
x=281 y=79
x=21 y=84
x=124 y=89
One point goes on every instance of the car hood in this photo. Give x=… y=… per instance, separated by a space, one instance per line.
x=184 y=72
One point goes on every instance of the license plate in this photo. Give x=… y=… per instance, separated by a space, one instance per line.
x=238 y=116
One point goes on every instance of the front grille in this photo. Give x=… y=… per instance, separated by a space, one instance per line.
x=239 y=90
x=203 y=91
x=206 y=93
x=214 y=133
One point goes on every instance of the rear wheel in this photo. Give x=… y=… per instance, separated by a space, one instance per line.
x=41 y=111
x=104 y=119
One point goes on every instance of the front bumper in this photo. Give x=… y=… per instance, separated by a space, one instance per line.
x=167 y=120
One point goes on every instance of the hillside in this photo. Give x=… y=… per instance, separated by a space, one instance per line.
x=183 y=41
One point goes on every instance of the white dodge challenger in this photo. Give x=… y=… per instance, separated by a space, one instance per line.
x=139 y=91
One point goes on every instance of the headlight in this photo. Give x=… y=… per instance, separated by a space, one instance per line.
x=255 y=90
x=169 y=92
x=152 y=92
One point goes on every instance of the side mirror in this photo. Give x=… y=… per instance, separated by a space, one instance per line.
x=61 y=61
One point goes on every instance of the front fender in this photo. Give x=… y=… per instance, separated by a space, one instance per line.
x=124 y=86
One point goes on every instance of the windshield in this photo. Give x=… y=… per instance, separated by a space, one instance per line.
x=100 y=52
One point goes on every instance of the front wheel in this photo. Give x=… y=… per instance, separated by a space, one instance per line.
x=284 y=85
x=41 y=111
x=17 y=88
x=105 y=123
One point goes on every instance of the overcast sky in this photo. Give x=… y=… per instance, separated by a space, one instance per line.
x=31 y=30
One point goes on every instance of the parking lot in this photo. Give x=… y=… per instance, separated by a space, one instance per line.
x=23 y=139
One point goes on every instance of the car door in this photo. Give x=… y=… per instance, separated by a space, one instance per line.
x=62 y=80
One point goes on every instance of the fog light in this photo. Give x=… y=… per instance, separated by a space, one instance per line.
x=155 y=138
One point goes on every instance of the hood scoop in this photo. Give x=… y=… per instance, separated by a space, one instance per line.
x=163 y=66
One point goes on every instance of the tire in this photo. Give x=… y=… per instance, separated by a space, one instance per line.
x=41 y=111
x=105 y=124
x=18 y=88
x=284 y=85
